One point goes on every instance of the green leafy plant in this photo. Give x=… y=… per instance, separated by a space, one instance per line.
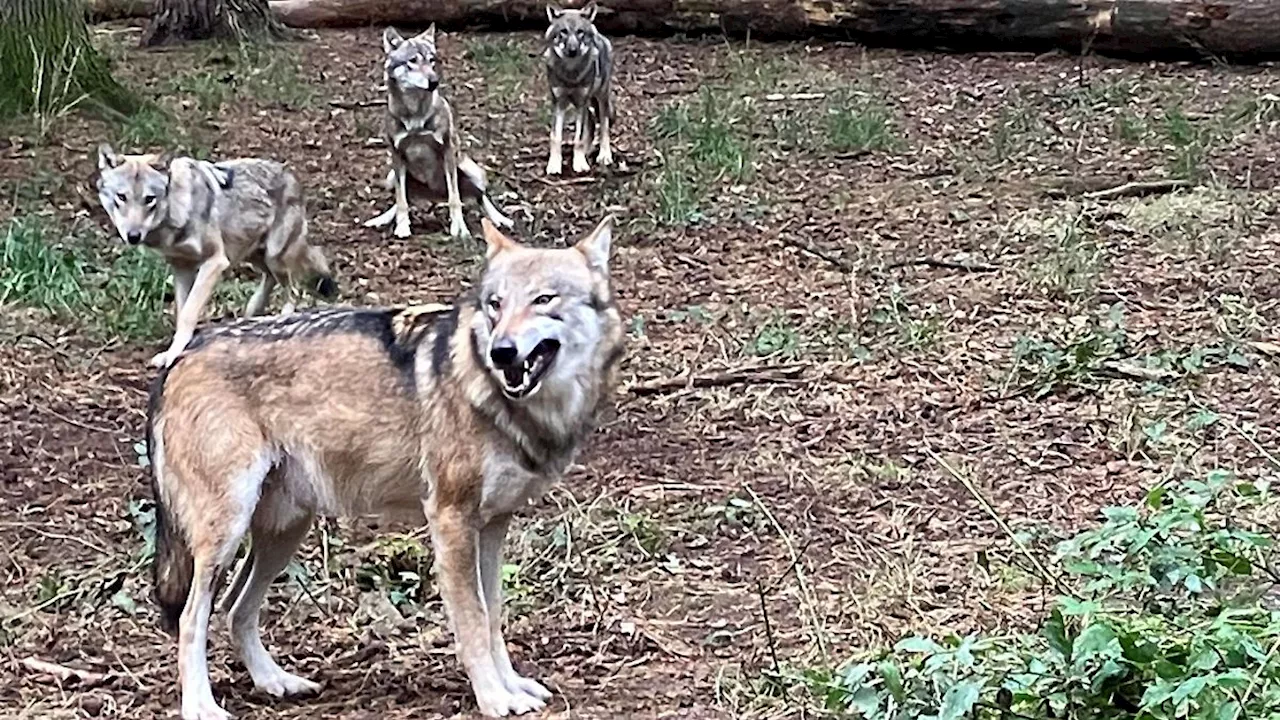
x=1165 y=619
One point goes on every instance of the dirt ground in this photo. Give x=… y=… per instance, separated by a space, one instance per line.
x=851 y=317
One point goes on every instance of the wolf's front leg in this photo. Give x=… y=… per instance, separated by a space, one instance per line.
x=402 y=201
x=581 y=138
x=457 y=225
x=605 y=158
x=456 y=541
x=556 y=162
x=491 y=539
x=206 y=279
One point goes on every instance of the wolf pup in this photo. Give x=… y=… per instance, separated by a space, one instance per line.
x=580 y=69
x=426 y=155
x=456 y=415
x=203 y=217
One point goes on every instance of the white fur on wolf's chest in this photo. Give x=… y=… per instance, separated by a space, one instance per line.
x=508 y=486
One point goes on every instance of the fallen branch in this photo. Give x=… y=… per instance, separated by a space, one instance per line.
x=1133 y=189
x=63 y=674
x=808 y=250
x=1136 y=372
x=761 y=374
x=945 y=265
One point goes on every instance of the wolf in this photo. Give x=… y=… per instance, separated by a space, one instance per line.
x=457 y=415
x=203 y=217
x=420 y=132
x=580 y=70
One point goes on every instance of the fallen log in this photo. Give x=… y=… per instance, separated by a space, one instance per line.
x=1241 y=30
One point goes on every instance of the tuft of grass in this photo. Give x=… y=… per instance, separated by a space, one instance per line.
x=703 y=143
x=1187 y=145
x=1071 y=267
x=502 y=59
x=1016 y=128
x=857 y=122
x=149 y=127
x=116 y=297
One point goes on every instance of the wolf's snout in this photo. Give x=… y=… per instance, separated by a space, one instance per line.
x=133 y=237
x=503 y=353
x=432 y=84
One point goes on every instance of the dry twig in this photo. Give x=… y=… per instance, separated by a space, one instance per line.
x=761 y=374
x=945 y=265
x=1132 y=189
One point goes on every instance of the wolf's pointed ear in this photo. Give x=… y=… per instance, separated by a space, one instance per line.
x=107 y=158
x=496 y=241
x=161 y=160
x=430 y=34
x=391 y=39
x=589 y=11
x=553 y=12
x=595 y=247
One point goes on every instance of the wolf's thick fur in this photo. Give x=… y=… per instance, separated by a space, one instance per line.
x=203 y=217
x=457 y=415
x=426 y=154
x=580 y=71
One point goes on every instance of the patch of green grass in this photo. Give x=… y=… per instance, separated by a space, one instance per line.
x=1071 y=267
x=119 y=295
x=150 y=127
x=208 y=89
x=501 y=60
x=776 y=337
x=1130 y=128
x=1188 y=145
x=1205 y=221
x=703 y=143
x=914 y=329
x=858 y=122
x=1016 y=127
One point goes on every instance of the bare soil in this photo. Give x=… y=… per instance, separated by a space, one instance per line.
x=811 y=490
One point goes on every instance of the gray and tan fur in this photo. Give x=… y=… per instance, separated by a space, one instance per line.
x=427 y=161
x=580 y=70
x=203 y=218
x=458 y=416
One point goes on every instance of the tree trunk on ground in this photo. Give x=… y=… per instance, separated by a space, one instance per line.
x=48 y=66
x=1244 y=30
x=181 y=20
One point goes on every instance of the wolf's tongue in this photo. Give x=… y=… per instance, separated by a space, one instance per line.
x=514 y=375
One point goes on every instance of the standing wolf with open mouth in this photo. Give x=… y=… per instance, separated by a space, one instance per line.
x=459 y=416
x=426 y=154
x=580 y=70
x=204 y=217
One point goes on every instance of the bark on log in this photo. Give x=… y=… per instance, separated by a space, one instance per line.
x=182 y=20
x=1241 y=30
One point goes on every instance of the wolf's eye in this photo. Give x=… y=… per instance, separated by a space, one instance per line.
x=543 y=299
x=495 y=303
x=120 y=198
x=149 y=200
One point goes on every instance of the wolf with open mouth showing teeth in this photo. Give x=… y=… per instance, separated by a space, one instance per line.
x=456 y=415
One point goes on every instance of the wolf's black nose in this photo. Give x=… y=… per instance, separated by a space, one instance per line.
x=134 y=238
x=503 y=353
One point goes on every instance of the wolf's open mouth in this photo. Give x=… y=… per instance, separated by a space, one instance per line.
x=521 y=380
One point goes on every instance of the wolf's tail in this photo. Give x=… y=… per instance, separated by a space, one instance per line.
x=173 y=565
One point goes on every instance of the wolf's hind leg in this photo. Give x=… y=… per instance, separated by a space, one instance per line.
x=276 y=535
x=214 y=538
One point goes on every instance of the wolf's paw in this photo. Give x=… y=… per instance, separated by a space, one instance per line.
x=205 y=709
x=382 y=220
x=458 y=228
x=580 y=164
x=605 y=157
x=279 y=684
x=555 y=165
x=519 y=684
x=502 y=703
x=402 y=230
